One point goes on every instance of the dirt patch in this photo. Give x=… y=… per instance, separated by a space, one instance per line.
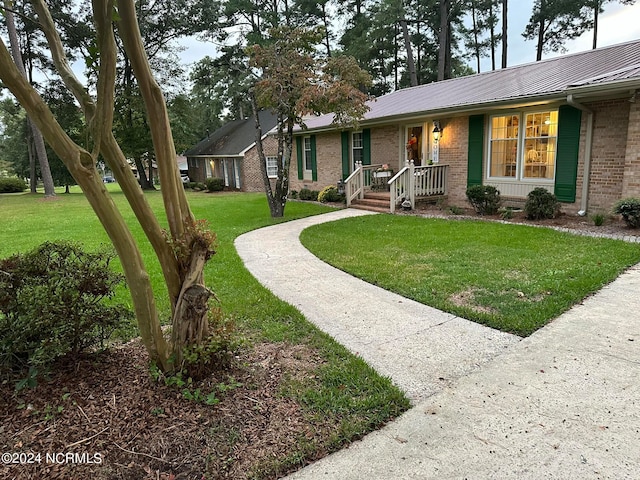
x=119 y=423
x=467 y=299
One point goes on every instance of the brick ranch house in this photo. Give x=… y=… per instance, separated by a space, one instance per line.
x=230 y=153
x=569 y=124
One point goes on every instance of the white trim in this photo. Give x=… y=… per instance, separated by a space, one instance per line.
x=528 y=183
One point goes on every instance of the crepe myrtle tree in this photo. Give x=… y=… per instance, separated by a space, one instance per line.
x=184 y=249
x=294 y=80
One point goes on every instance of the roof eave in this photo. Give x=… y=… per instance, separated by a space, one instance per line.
x=454 y=110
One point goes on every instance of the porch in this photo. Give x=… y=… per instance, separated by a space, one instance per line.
x=373 y=187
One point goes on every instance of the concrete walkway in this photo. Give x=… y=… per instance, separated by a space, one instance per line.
x=561 y=404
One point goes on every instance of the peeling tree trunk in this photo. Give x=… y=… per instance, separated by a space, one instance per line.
x=182 y=267
x=190 y=320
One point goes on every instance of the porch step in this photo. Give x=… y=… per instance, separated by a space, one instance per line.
x=374 y=201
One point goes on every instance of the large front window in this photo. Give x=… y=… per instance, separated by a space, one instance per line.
x=523 y=146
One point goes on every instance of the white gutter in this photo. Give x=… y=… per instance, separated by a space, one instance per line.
x=586 y=175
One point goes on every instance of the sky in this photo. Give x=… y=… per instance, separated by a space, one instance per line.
x=618 y=24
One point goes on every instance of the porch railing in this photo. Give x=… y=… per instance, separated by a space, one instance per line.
x=359 y=181
x=415 y=182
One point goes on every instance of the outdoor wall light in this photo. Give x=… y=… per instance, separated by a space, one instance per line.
x=437 y=131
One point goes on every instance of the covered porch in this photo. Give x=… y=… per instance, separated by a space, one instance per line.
x=377 y=187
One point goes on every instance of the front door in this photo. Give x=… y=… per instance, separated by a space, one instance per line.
x=414 y=145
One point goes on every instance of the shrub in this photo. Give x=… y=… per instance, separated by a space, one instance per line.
x=598 y=219
x=293 y=194
x=629 y=208
x=506 y=213
x=541 y=204
x=306 y=194
x=12 y=185
x=214 y=184
x=54 y=302
x=485 y=199
x=330 y=194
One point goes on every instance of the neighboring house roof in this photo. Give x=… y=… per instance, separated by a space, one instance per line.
x=233 y=138
x=617 y=66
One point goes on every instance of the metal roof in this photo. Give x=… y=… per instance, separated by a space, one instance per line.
x=233 y=138
x=546 y=79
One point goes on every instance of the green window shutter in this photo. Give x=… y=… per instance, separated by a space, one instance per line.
x=476 y=150
x=344 y=138
x=314 y=163
x=569 y=122
x=299 y=155
x=366 y=146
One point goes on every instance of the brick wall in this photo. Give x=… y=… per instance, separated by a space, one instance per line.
x=454 y=146
x=631 y=182
x=615 y=162
x=611 y=124
x=328 y=159
x=385 y=146
x=251 y=169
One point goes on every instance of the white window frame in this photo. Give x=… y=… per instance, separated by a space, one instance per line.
x=307 y=161
x=357 y=148
x=521 y=141
x=272 y=166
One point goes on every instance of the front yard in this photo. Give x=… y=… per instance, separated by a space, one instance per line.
x=515 y=278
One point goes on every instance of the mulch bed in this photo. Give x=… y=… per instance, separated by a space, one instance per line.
x=121 y=424
x=613 y=226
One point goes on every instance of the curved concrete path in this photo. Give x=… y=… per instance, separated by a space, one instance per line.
x=563 y=403
x=422 y=349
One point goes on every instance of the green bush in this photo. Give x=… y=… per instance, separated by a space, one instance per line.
x=629 y=208
x=54 y=301
x=330 y=194
x=12 y=185
x=541 y=204
x=598 y=219
x=293 y=194
x=484 y=199
x=306 y=194
x=214 y=184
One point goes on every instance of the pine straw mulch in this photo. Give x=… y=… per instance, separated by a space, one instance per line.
x=141 y=429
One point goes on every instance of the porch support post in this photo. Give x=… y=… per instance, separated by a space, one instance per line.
x=360 y=180
x=412 y=185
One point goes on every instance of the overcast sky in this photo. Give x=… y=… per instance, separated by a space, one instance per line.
x=618 y=24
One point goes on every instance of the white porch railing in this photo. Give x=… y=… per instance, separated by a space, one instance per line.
x=408 y=184
x=415 y=182
x=359 y=181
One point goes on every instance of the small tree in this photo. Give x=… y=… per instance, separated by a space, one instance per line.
x=184 y=249
x=295 y=81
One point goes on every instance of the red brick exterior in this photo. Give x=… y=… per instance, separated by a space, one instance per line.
x=631 y=181
x=251 y=169
x=615 y=156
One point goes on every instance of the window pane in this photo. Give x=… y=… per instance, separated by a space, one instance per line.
x=357 y=140
x=540 y=145
x=503 y=146
x=503 y=158
x=272 y=167
x=307 y=153
x=356 y=147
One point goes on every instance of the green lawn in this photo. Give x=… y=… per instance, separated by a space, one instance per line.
x=344 y=387
x=514 y=278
